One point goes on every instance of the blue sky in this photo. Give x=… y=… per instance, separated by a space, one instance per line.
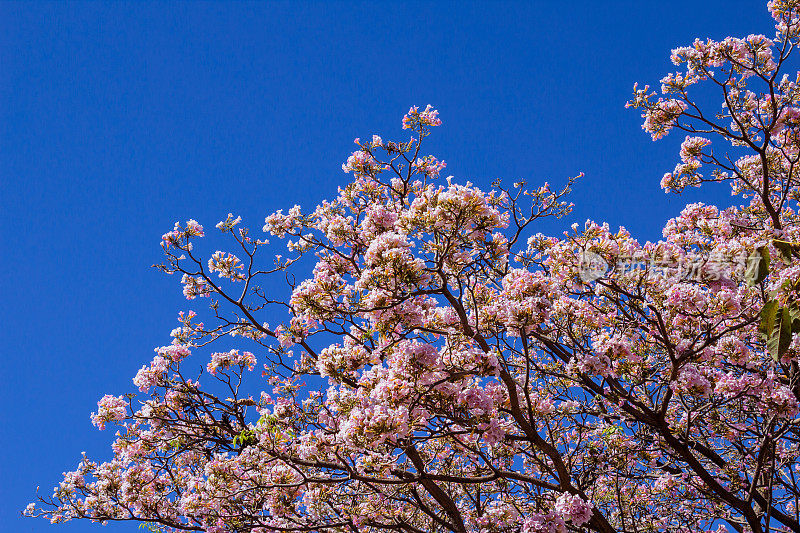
x=118 y=119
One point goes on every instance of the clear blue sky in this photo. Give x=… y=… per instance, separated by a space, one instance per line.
x=118 y=119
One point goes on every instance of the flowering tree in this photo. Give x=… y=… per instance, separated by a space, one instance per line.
x=445 y=368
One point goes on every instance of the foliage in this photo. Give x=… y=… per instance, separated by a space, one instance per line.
x=480 y=377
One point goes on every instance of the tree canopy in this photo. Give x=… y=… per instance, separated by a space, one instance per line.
x=447 y=368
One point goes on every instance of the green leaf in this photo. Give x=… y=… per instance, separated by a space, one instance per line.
x=781 y=335
x=794 y=313
x=611 y=430
x=768 y=316
x=267 y=420
x=757 y=266
x=245 y=438
x=786 y=248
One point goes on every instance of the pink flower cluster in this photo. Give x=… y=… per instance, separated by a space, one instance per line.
x=223 y=360
x=767 y=393
x=692 y=381
x=195 y=286
x=279 y=224
x=109 y=408
x=785 y=13
x=663 y=116
x=429 y=165
x=573 y=508
x=337 y=360
x=226 y=266
x=417 y=120
x=362 y=162
x=153 y=374
x=174 y=352
x=525 y=301
x=550 y=522
x=180 y=235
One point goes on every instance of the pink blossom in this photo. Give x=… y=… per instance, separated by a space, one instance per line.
x=152 y=375
x=110 y=408
x=223 y=360
x=573 y=508
x=544 y=523
x=415 y=119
